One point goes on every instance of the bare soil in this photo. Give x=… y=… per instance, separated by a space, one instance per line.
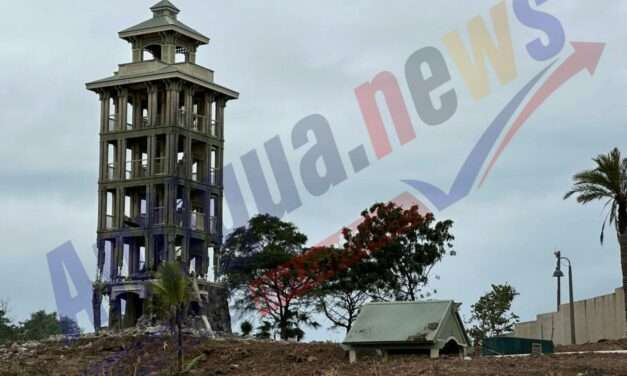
x=156 y=356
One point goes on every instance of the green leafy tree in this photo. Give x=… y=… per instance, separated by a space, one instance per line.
x=253 y=262
x=404 y=246
x=388 y=257
x=607 y=181
x=264 y=331
x=341 y=297
x=69 y=327
x=246 y=328
x=492 y=315
x=41 y=325
x=7 y=329
x=172 y=290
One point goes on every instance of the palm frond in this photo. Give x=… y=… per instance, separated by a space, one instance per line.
x=601 y=238
x=172 y=285
x=608 y=180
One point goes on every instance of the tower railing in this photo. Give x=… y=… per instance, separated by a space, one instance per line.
x=180 y=118
x=179 y=217
x=197 y=221
x=159 y=215
x=137 y=168
x=213 y=128
x=111 y=171
x=138 y=220
x=213 y=178
x=111 y=124
x=159 y=165
x=109 y=222
x=181 y=168
x=198 y=123
x=213 y=225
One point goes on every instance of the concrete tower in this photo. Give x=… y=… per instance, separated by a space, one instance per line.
x=161 y=157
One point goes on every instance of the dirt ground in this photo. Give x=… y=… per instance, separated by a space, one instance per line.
x=155 y=356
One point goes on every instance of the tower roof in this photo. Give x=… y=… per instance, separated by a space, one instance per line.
x=164 y=5
x=164 y=19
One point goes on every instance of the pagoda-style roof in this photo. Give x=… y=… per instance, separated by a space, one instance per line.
x=156 y=70
x=164 y=19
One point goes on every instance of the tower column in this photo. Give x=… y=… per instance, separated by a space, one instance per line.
x=121 y=159
x=102 y=208
x=220 y=106
x=105 y=97
x=103 y=160
x=203 y=268
x=119 y=208
x=189 y=105
x=137 y=51
x=188 y=156
x=170 y=246
x=122 y=108
x=151 y=151
x=173 y=89
x=138 y=117
x=187 y=206
x=153 y=97
x=149 y=246
x=208 y=100
x=168 y=48
x=167 y=108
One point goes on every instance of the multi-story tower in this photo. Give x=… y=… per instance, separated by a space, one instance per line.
x=161 y=153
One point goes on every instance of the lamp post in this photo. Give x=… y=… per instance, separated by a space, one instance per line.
x=558 y=274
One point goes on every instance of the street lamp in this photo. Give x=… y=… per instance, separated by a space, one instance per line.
x=559 y=274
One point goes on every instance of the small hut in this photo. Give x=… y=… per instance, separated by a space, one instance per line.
x=432 y=327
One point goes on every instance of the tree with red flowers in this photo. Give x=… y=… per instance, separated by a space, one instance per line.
x=388 y=257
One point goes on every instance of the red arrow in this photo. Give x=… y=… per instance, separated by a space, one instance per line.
x=585 y=56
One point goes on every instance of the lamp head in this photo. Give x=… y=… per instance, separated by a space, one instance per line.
x=558 y=273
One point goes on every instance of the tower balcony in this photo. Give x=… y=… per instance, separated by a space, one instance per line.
x=159 y=215
x=135 y=221
x=213 y=225
x=213 y=178
x=112 y=171
x=159 y=164
x=136 y=168
x=140 y=168
x=199 y=123
x=112 y=124
x=109 y=222
x=156 y=66
x=197 y=221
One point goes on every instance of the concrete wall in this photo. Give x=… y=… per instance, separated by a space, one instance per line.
x=602 y=317
x=218 y=308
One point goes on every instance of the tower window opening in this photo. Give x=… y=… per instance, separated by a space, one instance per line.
x=181 y=55
x=151 y=52
x=130 y=108
x=112 y=115
x=126 y=255
x=142 y=258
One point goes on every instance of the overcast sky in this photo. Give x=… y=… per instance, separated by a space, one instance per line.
x=292 y=59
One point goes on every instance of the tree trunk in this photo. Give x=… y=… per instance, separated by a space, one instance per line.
x=622 y=241
x=179 y=350
x=96 y=302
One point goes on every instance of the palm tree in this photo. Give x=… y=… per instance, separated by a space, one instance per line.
x=607 y=182
x=172 y=289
